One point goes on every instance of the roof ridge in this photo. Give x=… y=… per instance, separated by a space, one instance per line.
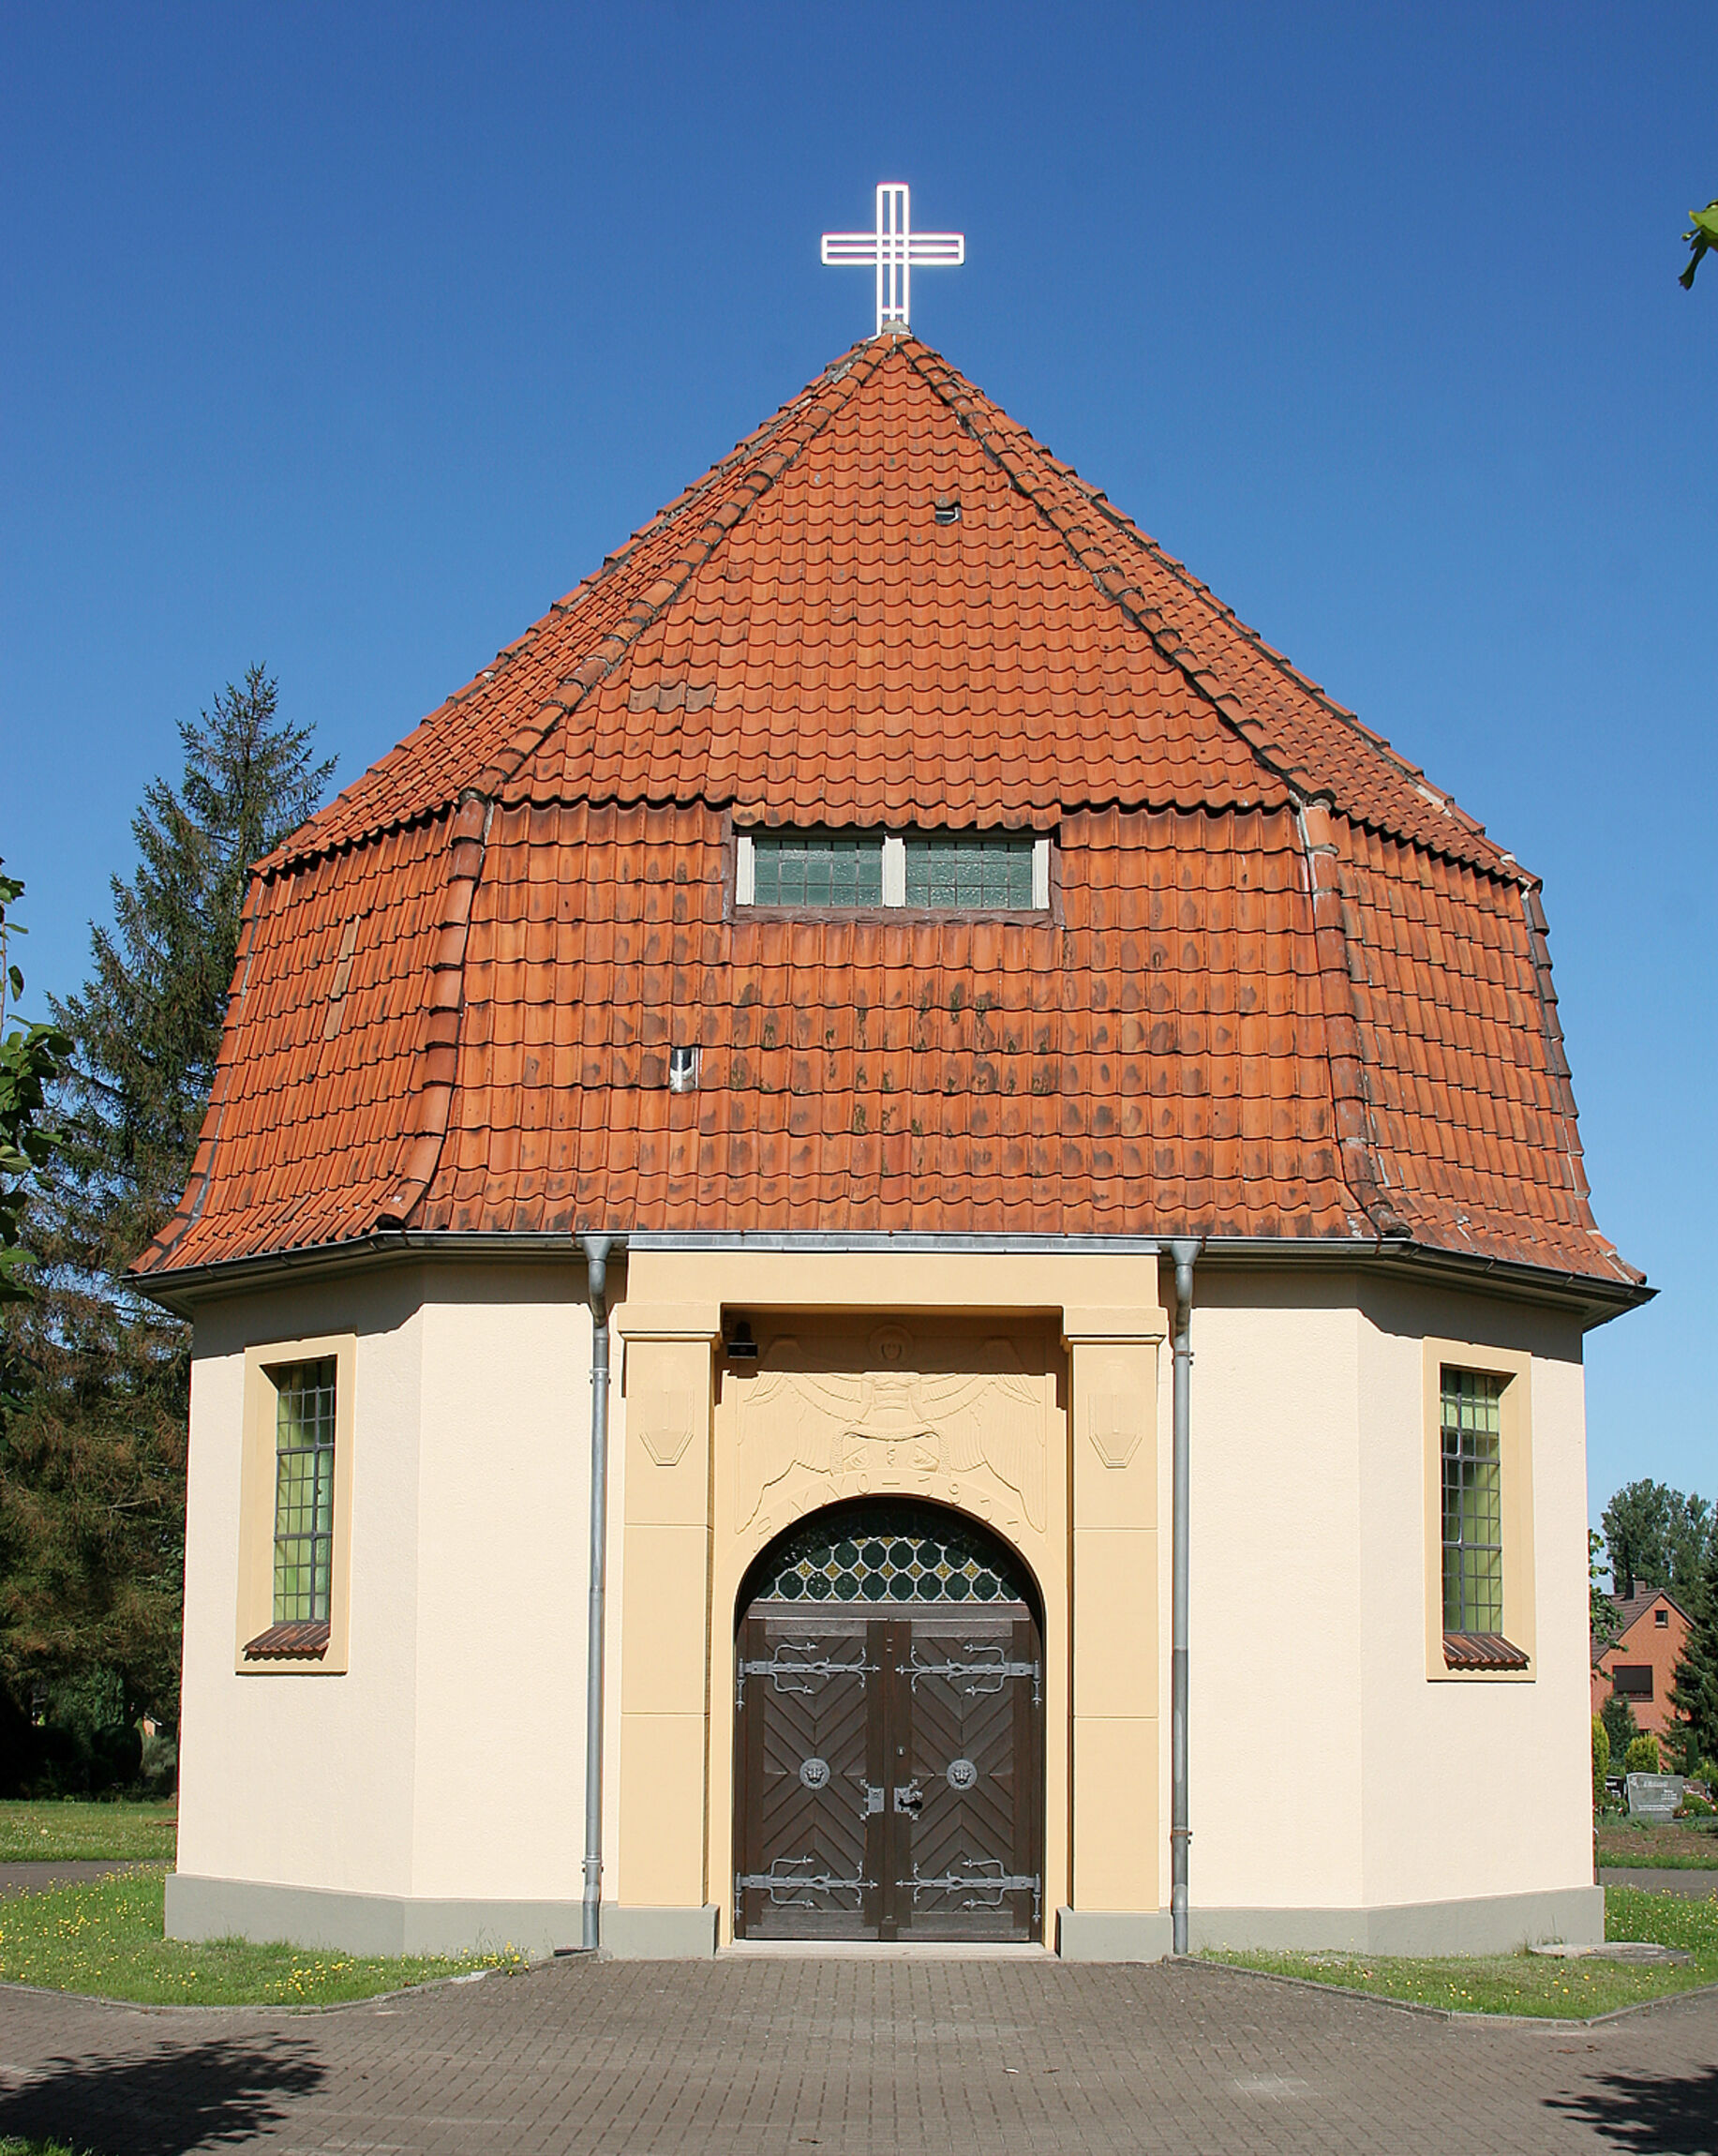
x=436 y=1059
x=1164 y=633
x=594 y=668
x=305 y=846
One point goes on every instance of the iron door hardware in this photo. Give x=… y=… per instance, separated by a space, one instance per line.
x=976 y=1678
x=909 y=1800
x=983 y=1883
x=788 y=1675
x=873 y=1794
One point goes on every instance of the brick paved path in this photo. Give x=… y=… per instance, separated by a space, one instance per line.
x=855 y=2058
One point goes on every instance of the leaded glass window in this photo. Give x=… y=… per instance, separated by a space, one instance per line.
x=304 y=1490
x=1472 y=1448
x=874 y=1551
x=817 y=869
x=930 y=871
x=953 y=869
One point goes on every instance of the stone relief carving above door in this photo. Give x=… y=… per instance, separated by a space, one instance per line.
x=895 y=1425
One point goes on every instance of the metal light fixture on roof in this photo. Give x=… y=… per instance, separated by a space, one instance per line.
x=682 y=1070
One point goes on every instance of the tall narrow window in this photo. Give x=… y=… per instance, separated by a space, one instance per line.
x=1472 y=1502
x=303 y=1492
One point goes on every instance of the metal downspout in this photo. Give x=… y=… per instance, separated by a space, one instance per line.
x=1184 y=1251
x=596 y=1248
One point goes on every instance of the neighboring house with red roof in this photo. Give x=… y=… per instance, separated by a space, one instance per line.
x=893 y=952
x=1639 y=1665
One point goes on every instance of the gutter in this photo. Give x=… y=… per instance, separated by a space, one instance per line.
x=1184 y=1251
x=597 y=1249
x=1597 y=1298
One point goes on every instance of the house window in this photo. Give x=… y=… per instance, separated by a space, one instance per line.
x=1480 y=1604
x=816 y=869
x=1662 y=1618
x=1472 y=1502
x=969 y=869
x=930 y=872
x=305 y=1395
x=1632 y=1680
x=294 y=1525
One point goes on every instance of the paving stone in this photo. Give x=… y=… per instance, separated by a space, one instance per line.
x=850 y=2058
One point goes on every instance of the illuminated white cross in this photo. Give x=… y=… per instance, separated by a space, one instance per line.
x=894 y=247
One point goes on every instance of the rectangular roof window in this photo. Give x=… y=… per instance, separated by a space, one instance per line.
x=817 y=869
x=960 y=870
x=929 y=872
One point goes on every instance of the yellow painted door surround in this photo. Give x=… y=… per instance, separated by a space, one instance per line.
x=1042 y=1421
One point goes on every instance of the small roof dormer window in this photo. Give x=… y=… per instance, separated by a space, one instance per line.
x=822 y=871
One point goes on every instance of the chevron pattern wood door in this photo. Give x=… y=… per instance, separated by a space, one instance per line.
x=969 y=1690
x=889 y=1774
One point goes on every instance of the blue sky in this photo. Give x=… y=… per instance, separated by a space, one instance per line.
x=346 y=337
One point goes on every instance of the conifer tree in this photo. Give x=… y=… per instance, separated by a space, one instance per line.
x=92 y=1467
x=1694 y=1692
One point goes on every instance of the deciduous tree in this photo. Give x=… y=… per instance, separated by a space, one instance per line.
x=1655 y=1537
x=1701 y=235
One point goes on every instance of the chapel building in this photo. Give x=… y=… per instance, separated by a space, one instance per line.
x=893 y=1202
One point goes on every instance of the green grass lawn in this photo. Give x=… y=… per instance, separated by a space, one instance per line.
x=61 y=1832
x=1531 y=1983
x=106 y=1937
x=11 y=2146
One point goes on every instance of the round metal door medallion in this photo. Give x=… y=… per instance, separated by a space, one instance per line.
x=962 y=1773
x=814 y=1773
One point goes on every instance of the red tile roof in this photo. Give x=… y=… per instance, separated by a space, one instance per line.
x=1291 y=990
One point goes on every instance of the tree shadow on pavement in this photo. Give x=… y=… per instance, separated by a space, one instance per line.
x=162 y=2101
x=1658 y=2115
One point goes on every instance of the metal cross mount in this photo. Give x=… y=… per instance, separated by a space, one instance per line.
x=893 y=248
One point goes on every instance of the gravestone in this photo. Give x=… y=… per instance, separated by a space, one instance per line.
x=1654 y=1796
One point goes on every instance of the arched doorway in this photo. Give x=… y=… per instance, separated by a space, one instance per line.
x=889 y=1763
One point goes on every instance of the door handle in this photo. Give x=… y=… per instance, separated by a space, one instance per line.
x=910 y=1799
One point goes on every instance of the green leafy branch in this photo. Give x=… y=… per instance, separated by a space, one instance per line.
x=1702 y=233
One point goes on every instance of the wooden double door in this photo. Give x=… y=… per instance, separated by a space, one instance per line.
x=889 y=1770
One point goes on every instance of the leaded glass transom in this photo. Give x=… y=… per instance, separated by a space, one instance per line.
x=1472 y=1448
x=304 y=1490
x=881 y=1552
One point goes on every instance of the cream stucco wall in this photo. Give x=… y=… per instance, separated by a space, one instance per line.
x=1326 y=1771
x=448 y=1760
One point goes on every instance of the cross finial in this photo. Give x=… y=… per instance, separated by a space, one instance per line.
x=894 y=247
